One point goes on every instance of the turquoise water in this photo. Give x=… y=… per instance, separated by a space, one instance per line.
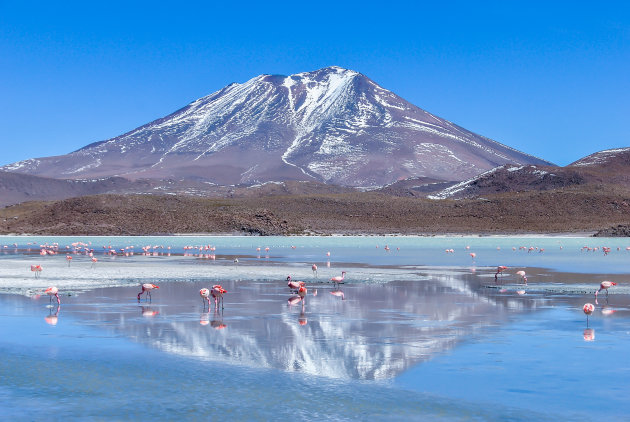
x=420 y=334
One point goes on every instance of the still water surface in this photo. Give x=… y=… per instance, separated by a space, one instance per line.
x=417 y=332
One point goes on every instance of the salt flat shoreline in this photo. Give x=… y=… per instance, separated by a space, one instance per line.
x=585 y=234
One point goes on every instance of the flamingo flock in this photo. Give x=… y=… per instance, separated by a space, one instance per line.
x=299 y=288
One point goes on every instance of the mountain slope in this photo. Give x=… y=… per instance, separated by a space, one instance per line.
x=609 y=167
x=332 y=125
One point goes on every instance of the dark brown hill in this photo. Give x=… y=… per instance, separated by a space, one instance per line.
x=570 y=209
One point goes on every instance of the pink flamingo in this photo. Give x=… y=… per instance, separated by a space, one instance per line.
x=294 y=285
x=147 y=287
x=217 y=293
x=604 y=285
x=205 y=294
x=588 y=309
x=302 y=292
x=523 y=276
x=500 y=270
x=473 y=255
x=339 y=279
x=314 y=268
x=53 y=291
x=69 y=259
x=36 y=269
x=94 y=261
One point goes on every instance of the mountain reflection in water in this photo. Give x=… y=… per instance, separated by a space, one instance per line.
x=376 y=332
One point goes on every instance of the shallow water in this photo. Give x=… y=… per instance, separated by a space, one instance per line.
x=419 y=332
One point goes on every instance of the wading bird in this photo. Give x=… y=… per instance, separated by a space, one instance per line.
x=53 y=291
x=605 y=285
x=500 y=270
x=294 y=285
x=339 y=279
x=588 y=309
x=217 y=293
x=205 y=295
x=36 y=269
x=147 y=287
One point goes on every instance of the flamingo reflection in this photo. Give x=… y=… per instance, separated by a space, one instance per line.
x=148 y=312
x=294 y=300
x=302 y=319
x=589 y=334
x=338 y=293
x=52 y=319
x=217 y=322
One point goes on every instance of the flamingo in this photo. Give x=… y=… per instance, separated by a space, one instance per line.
x=339 y=279
x=94 y=261
x=500 y=270
x=473 y=255
x=294 y=285
x=588 y=309
x=314 y=268
x=53 y=291
x=69 y=259
x=205 y=294
x=523 y=276
x=604 y=285
x=217 y=293
x=302 y=292
x=147 y=287
x=36 y=269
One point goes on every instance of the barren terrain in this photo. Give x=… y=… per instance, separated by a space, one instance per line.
x=587 y=209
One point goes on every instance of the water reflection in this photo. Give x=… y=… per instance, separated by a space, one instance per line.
x=589 y=334
x=366 y=331
x=52 y=319
x=148 y=312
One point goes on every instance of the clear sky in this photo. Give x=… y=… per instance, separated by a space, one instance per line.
x=551 y=79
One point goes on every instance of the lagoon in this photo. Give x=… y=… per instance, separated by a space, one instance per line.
x=419 y=332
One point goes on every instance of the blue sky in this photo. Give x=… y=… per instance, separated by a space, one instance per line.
x=552 y=80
